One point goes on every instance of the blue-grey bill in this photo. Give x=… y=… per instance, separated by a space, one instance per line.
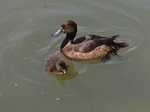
x=56 y=34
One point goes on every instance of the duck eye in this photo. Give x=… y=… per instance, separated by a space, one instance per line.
x=67 y=26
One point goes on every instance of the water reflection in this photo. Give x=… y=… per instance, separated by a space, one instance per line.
x=72 y=73
x=63 y=78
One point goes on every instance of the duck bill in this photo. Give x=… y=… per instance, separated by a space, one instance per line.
x=64 y=72
x=56 y=34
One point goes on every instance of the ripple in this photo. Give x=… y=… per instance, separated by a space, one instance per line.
x=28 y=45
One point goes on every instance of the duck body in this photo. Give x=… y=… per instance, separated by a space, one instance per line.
x=87 y=47
x=56 y=65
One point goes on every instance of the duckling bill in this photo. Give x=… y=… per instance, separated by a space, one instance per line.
x=86 y=47
x=56 y=65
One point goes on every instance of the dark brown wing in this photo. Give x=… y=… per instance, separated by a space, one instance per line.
x=89 y=37
x=91 y=42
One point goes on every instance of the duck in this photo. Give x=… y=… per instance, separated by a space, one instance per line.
x=56 y=65
x=86 y=47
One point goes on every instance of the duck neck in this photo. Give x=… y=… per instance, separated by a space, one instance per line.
x=69 y=39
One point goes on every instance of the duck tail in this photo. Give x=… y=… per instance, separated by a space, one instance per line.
x=114 y=36
x=123 y=44
x=120 y=44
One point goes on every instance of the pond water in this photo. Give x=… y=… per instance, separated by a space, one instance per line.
x=90 y=86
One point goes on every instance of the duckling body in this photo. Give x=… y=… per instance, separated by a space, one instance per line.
x=87 y=47
x=56 y=65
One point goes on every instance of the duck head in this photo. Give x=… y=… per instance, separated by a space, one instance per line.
x=69 y=27
x=62 y=67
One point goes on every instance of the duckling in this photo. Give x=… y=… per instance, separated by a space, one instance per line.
x=56 y=65
x=86 y=47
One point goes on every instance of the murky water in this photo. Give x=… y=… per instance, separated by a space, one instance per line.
x=114 y=86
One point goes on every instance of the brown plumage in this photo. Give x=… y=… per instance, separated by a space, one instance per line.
x=87 y=47
x=56 y=65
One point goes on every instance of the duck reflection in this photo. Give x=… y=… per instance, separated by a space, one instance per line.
x=55 y=68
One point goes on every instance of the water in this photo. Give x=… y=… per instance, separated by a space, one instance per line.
x=25 y=43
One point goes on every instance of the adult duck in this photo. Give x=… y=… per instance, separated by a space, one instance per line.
x=87 y=47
